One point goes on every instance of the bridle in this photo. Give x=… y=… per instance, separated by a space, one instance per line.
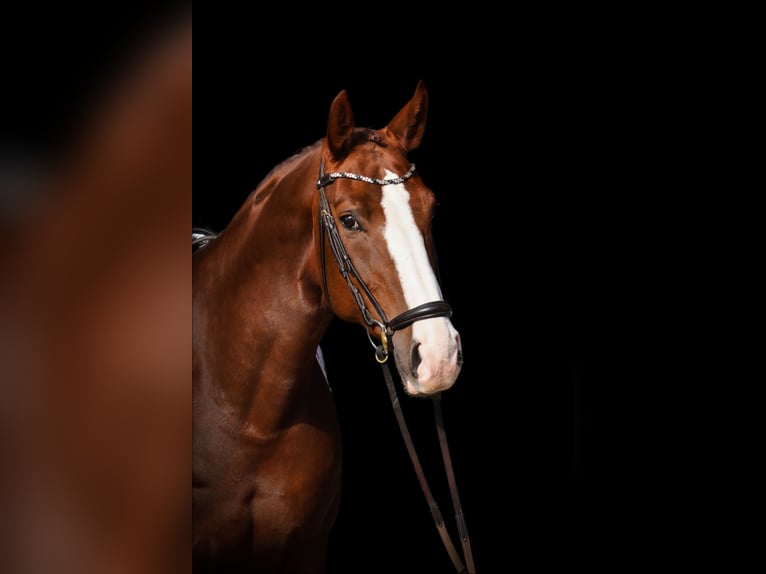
x=387 y=328
x=347 y=269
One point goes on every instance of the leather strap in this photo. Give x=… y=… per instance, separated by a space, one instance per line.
x=433 y=506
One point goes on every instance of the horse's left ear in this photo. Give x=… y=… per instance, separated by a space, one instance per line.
x=410 y=123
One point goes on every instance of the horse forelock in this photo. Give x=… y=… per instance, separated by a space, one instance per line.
x=364 y=135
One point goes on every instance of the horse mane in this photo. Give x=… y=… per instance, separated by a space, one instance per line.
x=269 y=182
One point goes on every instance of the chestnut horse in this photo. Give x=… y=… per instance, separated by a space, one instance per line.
x=266 y=442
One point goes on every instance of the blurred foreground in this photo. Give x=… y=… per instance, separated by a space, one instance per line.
x=95 y=320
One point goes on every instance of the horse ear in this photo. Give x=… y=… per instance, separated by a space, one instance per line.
x=410 y=123
x=340 y=125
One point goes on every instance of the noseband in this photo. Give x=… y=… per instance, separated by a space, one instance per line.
x=387 y=327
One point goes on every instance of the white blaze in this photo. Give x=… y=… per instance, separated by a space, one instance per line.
x=436 y=336
x=407 y=246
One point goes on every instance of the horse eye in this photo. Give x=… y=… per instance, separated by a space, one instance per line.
x=349 y=222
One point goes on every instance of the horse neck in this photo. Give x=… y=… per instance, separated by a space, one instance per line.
x=260 y=281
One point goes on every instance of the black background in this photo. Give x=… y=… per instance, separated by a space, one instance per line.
x=556 y=241
x=545 y=240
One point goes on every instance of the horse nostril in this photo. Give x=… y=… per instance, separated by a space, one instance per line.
x=415 y=359
x=460 y=358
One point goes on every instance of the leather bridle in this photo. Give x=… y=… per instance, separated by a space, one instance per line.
x=383 y=349
x=386 y=327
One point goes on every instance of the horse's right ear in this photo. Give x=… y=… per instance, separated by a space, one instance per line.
x=340 y=125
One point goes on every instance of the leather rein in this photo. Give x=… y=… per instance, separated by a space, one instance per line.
x=383 y=349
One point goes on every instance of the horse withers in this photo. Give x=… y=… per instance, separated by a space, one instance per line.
x=342 y=228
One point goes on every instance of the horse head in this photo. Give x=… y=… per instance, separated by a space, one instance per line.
x=376 y=216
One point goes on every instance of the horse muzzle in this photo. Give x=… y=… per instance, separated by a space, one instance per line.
x=432 y=360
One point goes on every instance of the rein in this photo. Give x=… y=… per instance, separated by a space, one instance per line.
x=387 y=329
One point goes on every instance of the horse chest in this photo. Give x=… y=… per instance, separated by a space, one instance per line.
x=270 y=490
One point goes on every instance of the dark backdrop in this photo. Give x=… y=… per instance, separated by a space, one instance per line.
x=542 y=249
x=560 y=241
x=552 y=238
